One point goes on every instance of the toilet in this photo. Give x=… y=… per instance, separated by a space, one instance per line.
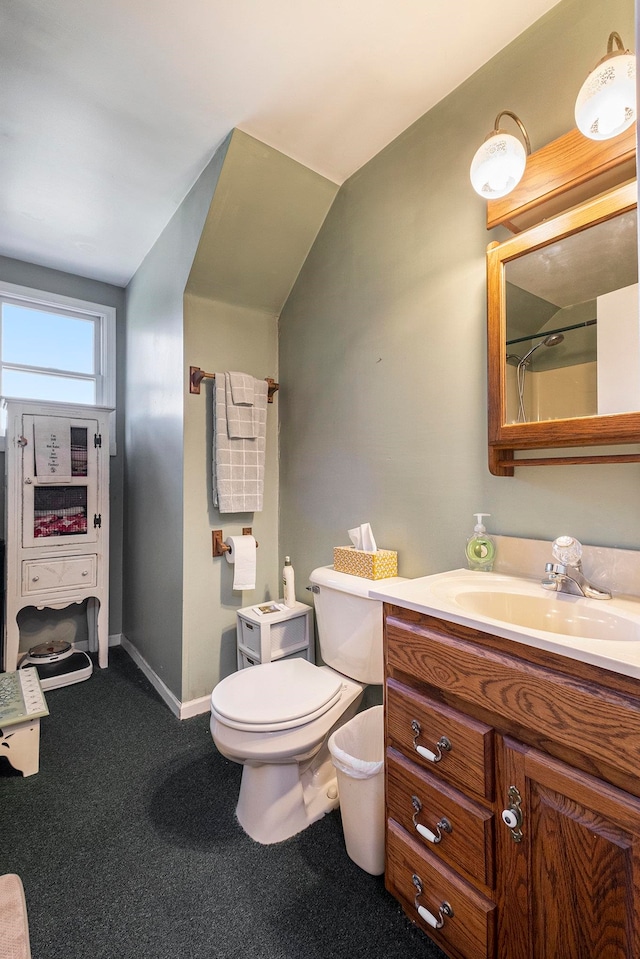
x=275 y=719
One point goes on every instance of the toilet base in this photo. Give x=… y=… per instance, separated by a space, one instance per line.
x=278 y=801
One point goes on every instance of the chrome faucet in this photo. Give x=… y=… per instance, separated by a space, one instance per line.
x=566 y=576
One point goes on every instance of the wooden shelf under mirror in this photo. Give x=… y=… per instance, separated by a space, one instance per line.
x=558 y=281
x=563 y=174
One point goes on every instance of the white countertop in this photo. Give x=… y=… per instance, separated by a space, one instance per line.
x=459 y=595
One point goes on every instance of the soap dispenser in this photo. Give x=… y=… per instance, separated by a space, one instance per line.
x=481 y=549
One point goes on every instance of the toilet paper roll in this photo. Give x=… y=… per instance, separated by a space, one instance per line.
x=242 y=556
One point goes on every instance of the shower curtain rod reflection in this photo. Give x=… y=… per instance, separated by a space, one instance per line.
x=561 y=329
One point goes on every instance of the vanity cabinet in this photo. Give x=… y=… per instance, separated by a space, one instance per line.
x=57 y=516
x=478 y=726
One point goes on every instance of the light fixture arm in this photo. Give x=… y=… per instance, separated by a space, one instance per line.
x=516 y=119
x=615 y=36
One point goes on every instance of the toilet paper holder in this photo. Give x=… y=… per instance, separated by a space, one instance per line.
x=218 y=543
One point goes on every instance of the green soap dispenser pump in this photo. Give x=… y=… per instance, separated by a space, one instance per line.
x=481 y=549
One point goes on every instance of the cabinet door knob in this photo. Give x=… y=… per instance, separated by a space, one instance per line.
x=512 y=816
x=35 y=579
x=436 y=922
x=85 y=572
x=433 y=757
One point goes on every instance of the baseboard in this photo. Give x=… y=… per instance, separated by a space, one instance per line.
x=195 y=707
x=115 y=639
x=161 y=688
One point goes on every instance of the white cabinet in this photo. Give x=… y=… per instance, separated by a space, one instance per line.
x=266 y=636
x=57 y=516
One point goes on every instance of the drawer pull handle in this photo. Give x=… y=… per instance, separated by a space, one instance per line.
x=443 y=825
x=35 y=579
x=436 y=922
x=85 y=572
x=433 y=757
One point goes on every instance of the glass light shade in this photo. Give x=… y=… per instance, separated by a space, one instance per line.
x=606 y=104
x=498 y=165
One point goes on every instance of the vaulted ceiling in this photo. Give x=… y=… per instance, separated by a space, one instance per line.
x=110 y=109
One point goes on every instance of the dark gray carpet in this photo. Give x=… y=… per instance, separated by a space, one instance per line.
x=128 y=847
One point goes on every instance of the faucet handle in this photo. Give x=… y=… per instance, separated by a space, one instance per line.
x=567 y=550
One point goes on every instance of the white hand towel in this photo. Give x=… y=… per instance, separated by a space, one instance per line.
x=242 y=556
x=242 y=388
x=243 y=419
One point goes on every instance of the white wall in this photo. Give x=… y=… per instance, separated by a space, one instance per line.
x=619 y=351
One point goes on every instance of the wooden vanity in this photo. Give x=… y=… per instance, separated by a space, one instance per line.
x=478 y=726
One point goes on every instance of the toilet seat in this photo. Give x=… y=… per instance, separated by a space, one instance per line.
x=274 y=696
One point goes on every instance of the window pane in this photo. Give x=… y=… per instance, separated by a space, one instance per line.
x=40 y=386
x=36 y=338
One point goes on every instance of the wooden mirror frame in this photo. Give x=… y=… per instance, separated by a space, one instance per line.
x=599 y=430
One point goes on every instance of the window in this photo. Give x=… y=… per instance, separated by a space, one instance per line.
x=56 y=348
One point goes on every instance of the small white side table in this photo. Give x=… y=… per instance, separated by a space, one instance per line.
x=22 y=703
x=270 y=631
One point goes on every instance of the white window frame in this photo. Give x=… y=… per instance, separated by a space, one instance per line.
x=105 y=318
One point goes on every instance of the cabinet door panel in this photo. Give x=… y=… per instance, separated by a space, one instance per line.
x=57 y=512
x=574 y=880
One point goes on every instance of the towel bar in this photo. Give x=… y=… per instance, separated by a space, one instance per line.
x=219 y=545
x=196 y=376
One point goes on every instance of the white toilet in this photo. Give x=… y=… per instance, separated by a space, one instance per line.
x=275 y=719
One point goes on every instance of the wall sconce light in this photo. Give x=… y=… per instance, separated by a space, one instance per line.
x=499 y=163
x=606 y=104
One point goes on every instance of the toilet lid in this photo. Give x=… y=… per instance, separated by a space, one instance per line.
x=276 y=695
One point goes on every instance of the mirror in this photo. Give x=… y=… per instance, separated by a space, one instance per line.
x=572 y=330
x=564 y=332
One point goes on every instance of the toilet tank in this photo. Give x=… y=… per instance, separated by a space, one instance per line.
x=349 y=623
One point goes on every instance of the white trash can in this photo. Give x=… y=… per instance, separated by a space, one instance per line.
x=357 y=752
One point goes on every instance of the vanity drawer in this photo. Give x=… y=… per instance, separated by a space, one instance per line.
x=599 y=725
x=416 y=722
x=468 y=846
x=68 y=572
x=470 y=932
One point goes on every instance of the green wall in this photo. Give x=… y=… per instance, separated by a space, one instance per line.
x=155 y=388
x=264 y=217
x=383 y=339
x=208 y=294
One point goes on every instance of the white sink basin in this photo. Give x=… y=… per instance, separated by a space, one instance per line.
x=603 y=632
x=552 y=613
